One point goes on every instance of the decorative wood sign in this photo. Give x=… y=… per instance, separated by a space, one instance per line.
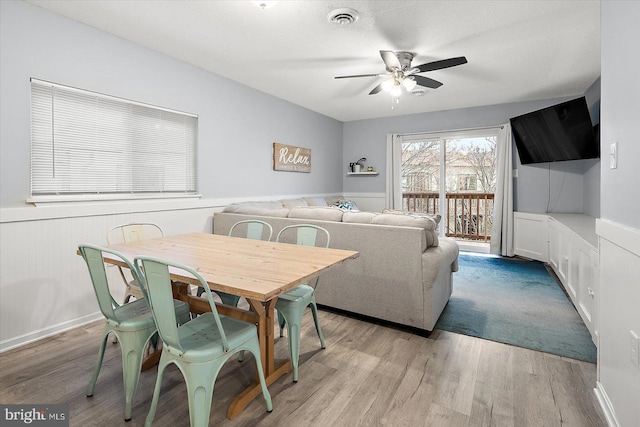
x=290 y=158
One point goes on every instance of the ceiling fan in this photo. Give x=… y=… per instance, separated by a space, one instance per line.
x=401 y=74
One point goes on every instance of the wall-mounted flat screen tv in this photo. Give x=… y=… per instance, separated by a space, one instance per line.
x=556 y=133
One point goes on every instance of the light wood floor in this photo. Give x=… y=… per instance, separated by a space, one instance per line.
x=369 y=375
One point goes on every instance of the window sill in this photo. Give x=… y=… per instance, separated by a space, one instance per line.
x=65 y=200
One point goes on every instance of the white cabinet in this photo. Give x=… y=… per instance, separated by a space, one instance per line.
x=573 y=252
x=530 y=236
x=568 y=242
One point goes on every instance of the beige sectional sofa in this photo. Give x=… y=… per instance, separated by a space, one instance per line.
x=404 y=272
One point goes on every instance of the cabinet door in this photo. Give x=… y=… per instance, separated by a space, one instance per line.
x=567 y=264
x=588 y=265
x=573 y=250
x=554 y=246
x=530 y=236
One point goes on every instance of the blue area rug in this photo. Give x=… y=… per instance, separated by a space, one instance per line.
x=515 y=302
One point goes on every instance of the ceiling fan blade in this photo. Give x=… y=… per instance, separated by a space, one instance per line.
x=445 y=63
x=390 y=59
x=376 y=89
x=427 y=82
x=359 y=75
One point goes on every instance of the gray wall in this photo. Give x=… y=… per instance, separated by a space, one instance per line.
x=618 y=296
x=620 y=112
x=591 y=183
x=546 y=187
x=237 y=125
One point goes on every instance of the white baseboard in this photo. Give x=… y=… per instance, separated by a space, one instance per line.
x=39 y=334
x=605 y=405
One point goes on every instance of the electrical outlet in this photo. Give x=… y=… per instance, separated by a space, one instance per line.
x=613 y=155
x=635 y=349
x=515 y=173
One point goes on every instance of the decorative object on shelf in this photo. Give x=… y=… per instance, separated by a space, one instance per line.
x=290 y=158
x=358 y=166
x=370 y=169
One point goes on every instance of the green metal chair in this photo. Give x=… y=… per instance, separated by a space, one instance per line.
x=199 y=348
x=132 y=232
x=292 y=304
x=131 y=323
x=255 y=230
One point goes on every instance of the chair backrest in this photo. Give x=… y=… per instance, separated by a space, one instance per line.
x=255 y=229
x=156 y=279
x=132 y=232
x=94 y=257
x=306 y=234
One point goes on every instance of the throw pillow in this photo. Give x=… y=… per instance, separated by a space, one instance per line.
x=345 y=204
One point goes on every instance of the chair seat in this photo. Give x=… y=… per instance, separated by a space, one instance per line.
x=201 y=341
x=133 y=316
x=297 y=294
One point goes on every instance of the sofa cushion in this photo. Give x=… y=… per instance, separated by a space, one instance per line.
x=357 y=216
x=234 y=207
x=253 y=210
x=435 y=217
x=290 y=203
x=428 y=224
x=323 y=213
x=316 y=201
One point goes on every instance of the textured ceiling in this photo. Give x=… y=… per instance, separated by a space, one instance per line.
x=517 y=50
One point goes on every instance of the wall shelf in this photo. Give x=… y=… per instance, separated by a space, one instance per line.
x=362 y=173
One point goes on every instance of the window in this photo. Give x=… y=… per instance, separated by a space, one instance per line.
x=467 y=182
x=86 y=145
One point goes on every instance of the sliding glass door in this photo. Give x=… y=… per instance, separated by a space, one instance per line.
x=452 y=175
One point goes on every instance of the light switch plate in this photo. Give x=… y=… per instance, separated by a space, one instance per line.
x=613 y=155
x=634 y=343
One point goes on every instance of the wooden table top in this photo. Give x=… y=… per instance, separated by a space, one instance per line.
x=252 y=269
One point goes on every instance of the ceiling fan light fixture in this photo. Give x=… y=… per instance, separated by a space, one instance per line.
x=343 y=17
x=409 y=84
x=396 y=90
x=388 y=84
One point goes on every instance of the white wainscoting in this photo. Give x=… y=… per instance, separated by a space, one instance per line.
x=618 y=387
x=44 y=285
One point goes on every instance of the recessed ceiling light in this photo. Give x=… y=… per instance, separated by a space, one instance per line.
x=343 y=16
x=418 y=92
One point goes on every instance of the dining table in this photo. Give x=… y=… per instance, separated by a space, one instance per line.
x=257 y=270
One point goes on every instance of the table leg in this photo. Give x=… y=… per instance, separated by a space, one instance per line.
x=267 y=352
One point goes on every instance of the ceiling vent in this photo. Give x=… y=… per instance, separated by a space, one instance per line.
x=343 y=17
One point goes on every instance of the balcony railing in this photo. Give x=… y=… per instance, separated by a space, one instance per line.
x=470 y=215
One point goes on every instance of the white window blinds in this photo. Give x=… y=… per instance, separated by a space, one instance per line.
x=88 y=144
